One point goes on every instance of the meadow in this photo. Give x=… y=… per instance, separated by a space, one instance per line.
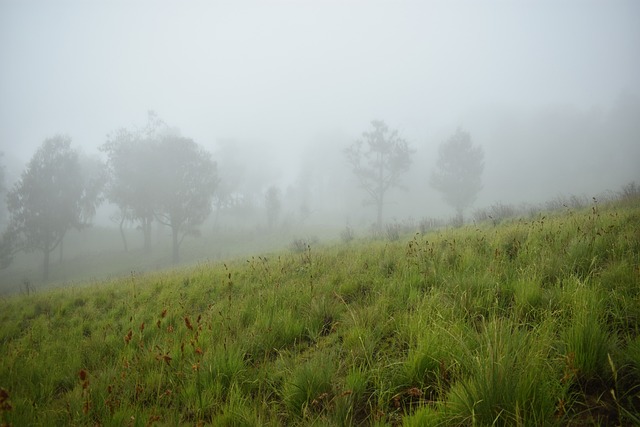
x=533 y=321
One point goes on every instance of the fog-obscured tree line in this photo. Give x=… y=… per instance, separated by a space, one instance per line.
x=156 y=177
x=151 y=174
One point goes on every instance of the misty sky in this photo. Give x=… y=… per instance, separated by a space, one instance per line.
x=283 y=74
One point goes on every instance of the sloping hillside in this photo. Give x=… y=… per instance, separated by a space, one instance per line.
x=531 y=322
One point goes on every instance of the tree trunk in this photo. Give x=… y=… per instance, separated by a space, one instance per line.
x=379 y=221
x=380 y=189
x=216 y=218
x=45 y=267
x=176 y=244
x=460 y=217
x=124 y=238
x=61 y=254
x=146 y=228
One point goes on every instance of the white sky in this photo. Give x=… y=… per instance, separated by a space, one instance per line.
x=280 y=73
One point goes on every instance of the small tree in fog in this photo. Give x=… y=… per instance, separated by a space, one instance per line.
x=378 y=160
x=186 y=180
x=50 y=198
x=273 y=203
x=459 y=172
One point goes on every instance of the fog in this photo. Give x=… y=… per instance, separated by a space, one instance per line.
x=276 y=90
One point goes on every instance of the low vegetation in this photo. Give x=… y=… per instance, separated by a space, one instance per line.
x=526 y=322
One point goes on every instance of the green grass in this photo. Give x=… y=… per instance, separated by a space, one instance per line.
x=531 y=322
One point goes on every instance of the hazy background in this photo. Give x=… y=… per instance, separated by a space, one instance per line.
x=277 y=89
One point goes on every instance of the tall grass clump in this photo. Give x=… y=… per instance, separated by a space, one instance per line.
x=508 y=379
x=308 y=391
x=587 y=342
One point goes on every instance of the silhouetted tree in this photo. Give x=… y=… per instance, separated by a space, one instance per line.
x=459 y=172
x=186 y=180
x=378 y=160
x=273 y=203
x=50 y=198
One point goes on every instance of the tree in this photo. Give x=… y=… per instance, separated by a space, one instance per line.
x=378 y=160
x=50 y=198
x=8 y=246
x=94 y=177
x=132 y=185
x=273 y=204
x=157 y=174
x=185 y=186
x=459 y=171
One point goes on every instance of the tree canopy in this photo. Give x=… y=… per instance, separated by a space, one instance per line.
x=51 y=197
x=459 y=171
x=132 y=174
x=155 y=174
x=379 y=159
x=186 y=179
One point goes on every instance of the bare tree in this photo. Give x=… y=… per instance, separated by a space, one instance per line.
x=378 y=160
x=459 y=172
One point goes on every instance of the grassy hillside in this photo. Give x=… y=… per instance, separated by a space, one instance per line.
x=531 y=322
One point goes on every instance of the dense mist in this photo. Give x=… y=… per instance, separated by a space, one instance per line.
x=276 y=91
